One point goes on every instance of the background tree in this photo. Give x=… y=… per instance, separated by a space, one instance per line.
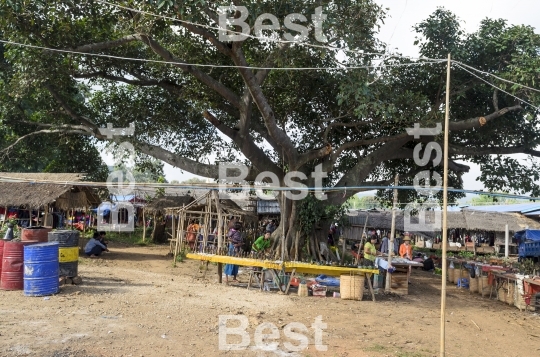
x=350 y=121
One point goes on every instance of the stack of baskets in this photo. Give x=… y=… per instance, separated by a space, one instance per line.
x=351 y=287
x=473 y=285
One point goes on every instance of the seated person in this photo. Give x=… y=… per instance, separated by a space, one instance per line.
x=429 y=265
x=94 y=247
x=102 y=238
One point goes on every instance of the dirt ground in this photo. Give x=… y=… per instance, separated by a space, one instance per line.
x=133 y=302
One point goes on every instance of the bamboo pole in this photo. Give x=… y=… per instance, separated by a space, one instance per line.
x=144 y=226
x=444 y=212
x=173 y=230
x=362 y=239
x=283 y=226
x=220 y=221
x=388 y=285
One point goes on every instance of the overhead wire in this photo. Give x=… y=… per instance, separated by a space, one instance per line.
x=495 y=76
x=215 y=65
x=498 y=88
x=252 y=187
x=269 y=39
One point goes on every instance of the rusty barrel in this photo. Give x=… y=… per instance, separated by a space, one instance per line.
x=38 y=233
x=1 y=254
x=12 y=265
x=68 y=241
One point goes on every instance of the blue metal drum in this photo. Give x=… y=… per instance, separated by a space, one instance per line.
x=41 y=268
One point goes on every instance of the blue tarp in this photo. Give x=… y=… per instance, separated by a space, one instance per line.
x=327 y=280
x=528 y=235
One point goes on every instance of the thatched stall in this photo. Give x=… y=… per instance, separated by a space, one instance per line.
x=159 y=208
x=488 y=228
x=210 y=217
x=44 y=192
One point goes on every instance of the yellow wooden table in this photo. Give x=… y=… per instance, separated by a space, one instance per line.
x=290 y=267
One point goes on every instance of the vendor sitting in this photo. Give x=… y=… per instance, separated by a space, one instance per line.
x=94 y=247
x=261 y=244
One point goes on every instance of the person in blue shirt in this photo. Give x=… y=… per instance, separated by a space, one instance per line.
x=94 y=247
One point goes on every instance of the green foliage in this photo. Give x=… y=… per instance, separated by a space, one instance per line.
x=466 y=255
x=313 y=212
x=361 y=114
x=363 y=202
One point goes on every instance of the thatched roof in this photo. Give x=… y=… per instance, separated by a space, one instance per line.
x=164 y=203
x=41 y=176
x=471 y=220
x=496 y=222
x=33 y=194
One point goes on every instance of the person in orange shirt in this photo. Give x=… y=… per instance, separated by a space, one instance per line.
x=405 y=251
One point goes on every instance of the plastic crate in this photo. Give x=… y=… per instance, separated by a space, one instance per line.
x=529 y=249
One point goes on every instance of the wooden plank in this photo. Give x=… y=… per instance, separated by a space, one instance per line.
x=290 y=279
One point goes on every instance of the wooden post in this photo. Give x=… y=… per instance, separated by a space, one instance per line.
x=388 y=285
x=343 y=244
x=173 y=230
x=506 y=241
x=444 y=212
x=362 y=239
x=144 y=226
x=30 y=215
x=220 y=272
x=220 y=222
x=283 y=225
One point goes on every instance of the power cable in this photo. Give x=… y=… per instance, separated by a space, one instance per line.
x=262 y=38
x=494 y=76
x=218 y=66
x=498 y=88
x=252 y=187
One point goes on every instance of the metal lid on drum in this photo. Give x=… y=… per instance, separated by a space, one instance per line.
x=65 y=238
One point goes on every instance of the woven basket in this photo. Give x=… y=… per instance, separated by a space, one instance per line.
x=302 y=290
x=351 y=287
x=502 y=294
x=484 y=286
x=451 y=274
x=511 y=292
x=465 y=274
x=473 y=285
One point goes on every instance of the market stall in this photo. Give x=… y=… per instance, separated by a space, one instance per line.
x=279 y=269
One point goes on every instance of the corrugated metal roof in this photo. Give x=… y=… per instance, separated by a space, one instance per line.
x=357 y=220
x=519 y=207
x=268 y=207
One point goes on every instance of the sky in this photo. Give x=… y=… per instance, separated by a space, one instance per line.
x=398 y=34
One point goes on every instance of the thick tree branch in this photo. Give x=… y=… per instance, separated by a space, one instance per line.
x=358 y=173
x=247 y=146
x=213 y=84
x=223 y=48
x=495 y=100
x=81 y=119
x=8 y=148
x=477 y=122
x=280 y=137
x=93 y=47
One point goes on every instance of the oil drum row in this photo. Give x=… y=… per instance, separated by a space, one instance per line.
x=35 y=267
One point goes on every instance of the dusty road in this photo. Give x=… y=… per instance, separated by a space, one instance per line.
x=134 y=303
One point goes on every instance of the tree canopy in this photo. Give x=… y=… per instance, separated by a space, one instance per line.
x=210 y=104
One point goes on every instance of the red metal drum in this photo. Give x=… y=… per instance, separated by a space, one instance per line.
x=1 y=254
x=39 y=233
x=11 y=277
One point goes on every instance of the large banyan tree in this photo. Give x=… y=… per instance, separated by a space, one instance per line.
x=197 y=98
